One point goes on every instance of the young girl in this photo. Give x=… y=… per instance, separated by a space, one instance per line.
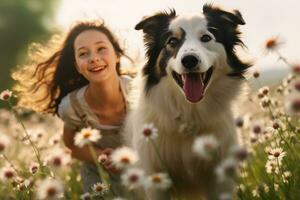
x=81 y=83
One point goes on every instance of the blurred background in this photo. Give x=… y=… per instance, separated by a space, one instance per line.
x=23 y=22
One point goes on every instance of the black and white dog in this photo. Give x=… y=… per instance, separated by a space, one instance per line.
x=186 y=89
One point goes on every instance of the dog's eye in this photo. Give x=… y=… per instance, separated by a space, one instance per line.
x=173 y=42
x=205 y=38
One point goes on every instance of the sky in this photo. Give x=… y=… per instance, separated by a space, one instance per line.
x=264 y=20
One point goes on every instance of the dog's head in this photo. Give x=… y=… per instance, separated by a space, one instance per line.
x=193 y=49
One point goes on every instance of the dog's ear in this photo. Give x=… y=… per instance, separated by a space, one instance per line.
x=233 y=18
x=153 y=23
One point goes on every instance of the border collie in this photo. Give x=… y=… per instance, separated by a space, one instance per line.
x=186 y=89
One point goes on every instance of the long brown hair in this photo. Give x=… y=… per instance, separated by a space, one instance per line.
x=41 y=86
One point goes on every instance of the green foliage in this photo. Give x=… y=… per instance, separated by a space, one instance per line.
x=21 y=22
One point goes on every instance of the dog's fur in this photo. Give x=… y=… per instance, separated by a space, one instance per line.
x=180 y=116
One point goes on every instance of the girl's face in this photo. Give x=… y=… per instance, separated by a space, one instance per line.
x=95 y=56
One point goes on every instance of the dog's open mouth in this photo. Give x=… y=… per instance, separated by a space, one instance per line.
x=193 y=84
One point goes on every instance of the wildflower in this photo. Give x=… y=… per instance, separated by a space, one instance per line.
x=272 y=167
x=7 y=173
x=239 y=122
x=242 y=187
x=123 y=157
x=50 y=189
x=205 y=146
x=149 y=131
x=276 y=153
x=264 y=90
x=5 y=95
x=297 y=86
x=279 y=89
x=133 y=178
x=286 y=175
x=33 y=168
x=256 y=74
x=239 y=153
x=227 y=169
x=256 y=129
x=265 y=102
x=296 y=69
x=85 y=196
x=276 y=125
x=58 y=157
x=273 y=44
x=102 y=158
x=158 y=181
x=266 y=188
x=4 y=142
x=100 y=188
x=87 y=135
x=296 y=105
x=28 y=183
x=255 y=192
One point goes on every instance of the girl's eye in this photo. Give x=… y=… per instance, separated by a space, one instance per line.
x=205 y=38
x=173 y=42
x=82 y=54
x=101 y=48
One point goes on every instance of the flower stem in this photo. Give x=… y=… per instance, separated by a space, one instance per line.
x=102 y=173
x=36 y=151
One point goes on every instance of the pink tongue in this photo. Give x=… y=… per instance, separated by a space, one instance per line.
x=193 y=87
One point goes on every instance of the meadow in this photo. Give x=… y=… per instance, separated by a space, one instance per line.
x=34 y=163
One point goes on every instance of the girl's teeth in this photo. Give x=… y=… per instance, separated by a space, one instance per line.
x=97 y=69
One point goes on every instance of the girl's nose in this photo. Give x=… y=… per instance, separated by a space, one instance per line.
x=94 y=58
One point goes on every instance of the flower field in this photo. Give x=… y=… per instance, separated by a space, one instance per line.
x=34 y=163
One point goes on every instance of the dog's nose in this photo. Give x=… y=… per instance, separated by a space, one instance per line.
x=190 y=61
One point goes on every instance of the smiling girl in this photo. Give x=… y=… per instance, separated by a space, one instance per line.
x=81 y=83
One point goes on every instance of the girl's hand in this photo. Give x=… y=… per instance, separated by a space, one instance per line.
x=104 y=159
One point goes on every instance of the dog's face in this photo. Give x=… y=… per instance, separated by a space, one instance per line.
x=190 y=49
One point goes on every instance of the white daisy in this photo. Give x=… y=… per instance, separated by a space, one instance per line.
x=158 y=181
x=49 y=189
x=34 y=167
x=5 y=95
x=102 y=158
x=7 y=173
x=266 y=188
x=87 y=135
x=149 y=131
x=206 y=146
x=272 y=167
x=123 y=157
x=58 y=157
x=100 y=188
x=133 y=178
x=255 y=192
x=286 y=176
x=276 y=153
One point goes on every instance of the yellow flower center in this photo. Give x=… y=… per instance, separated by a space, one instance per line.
x=87 y=134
